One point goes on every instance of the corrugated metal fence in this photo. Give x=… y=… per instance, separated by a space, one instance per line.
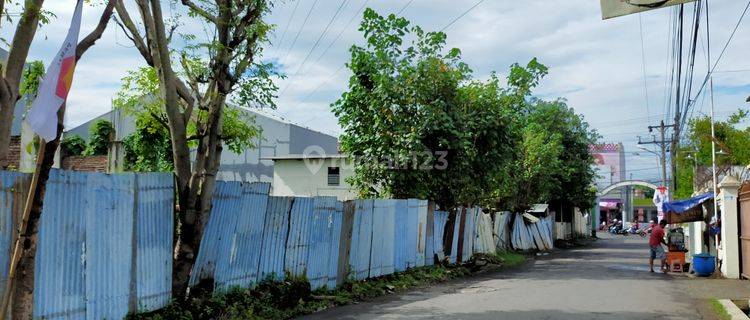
x=105 y=242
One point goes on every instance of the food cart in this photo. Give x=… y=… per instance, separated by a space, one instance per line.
x=678 y=212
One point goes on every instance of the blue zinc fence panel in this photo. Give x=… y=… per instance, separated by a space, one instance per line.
x=225 y=206
x=441 y=218
x=13 y=189
x=239 y=266
x=275 y=231
x=383 y=237
x=359 y=256
x=412 y=233
x=469 y=233
x=109 y=214
x=154 y=228
x=319 y=251
x=402 y=241
x=455 y=235
x=337 y=215
x=422 y=241
x=59 y=291
x=298 y=243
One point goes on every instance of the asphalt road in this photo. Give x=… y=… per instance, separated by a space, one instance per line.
x=607 y=280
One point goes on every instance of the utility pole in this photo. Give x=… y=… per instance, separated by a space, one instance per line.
x=663 y=145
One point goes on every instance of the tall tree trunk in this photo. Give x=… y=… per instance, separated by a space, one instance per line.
x=11 y=78
x=23 y=282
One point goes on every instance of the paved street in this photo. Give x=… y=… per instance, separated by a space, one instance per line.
x=608 y=280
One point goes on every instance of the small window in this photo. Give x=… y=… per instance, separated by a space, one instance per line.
x=334 y=178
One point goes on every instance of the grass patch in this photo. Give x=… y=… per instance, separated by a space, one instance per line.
x=719 y=310
x=292 y=297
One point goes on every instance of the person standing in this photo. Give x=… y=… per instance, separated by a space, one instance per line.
x=655 y=243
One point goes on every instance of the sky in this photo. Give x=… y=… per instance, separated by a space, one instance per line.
x=597 y=65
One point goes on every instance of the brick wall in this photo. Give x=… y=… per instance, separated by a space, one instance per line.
x=85 y=163
x=14 y=154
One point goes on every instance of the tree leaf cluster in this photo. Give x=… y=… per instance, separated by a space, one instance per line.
x=420 y=125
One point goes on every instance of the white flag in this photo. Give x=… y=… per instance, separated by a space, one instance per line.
x=54 y=89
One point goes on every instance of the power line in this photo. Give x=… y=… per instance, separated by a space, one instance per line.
x=723 y=50
x=302 y=27
x=643 y=64
x=404 y=7
x=315 y=46
x=289 y=22
x=461 y=15
x=341 y=32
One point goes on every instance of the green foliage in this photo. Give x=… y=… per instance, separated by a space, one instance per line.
x=293 y=297
x=721 y=312
x=733 y=140
x=32 y=78
x=101 y=134
x=139 y=97
x=420 y=126
x=149 y=148
x=73 y=145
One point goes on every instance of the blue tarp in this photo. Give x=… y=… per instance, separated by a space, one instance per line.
x=682 y=206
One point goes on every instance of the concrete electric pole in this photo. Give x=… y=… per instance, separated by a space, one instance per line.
x=662 y=143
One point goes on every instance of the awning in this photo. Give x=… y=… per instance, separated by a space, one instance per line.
x=682 y=206
x=688 y=210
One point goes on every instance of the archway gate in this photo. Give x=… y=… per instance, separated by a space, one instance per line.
x=595 y=211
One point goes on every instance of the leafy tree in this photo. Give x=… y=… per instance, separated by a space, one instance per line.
x=196 y=77
x=410 y=108
x=101 y=136
x=73 y=145
x=400 y=114
x=149 y=148
x=695 y=153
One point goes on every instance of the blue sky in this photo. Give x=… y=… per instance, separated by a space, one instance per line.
x=596 y=65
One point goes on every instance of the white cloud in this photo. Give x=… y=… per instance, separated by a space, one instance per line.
x=594 y=64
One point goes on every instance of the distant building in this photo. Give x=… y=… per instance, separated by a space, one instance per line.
x=609 y=162
x=279 y=138
x=313 y=175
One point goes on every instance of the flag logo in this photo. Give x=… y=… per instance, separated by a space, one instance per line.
x=66 y=77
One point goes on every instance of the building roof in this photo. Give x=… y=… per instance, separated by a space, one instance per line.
x=306 y=156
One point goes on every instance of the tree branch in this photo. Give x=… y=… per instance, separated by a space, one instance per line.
x=199 y=11
x=145 y=50
x=127 y=22
x=96 y=34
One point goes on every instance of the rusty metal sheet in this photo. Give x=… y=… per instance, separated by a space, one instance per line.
x=421 y=232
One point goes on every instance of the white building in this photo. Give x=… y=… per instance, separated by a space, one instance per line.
x=313 y=175
x=279 y=138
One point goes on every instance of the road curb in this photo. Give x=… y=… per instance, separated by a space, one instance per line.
x=734 y=312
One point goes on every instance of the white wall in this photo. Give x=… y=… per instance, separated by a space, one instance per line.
x=310 y=178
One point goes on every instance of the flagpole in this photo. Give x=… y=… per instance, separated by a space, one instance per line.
x=17 y=247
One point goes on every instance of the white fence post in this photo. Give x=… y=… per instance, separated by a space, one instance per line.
x=730 y=253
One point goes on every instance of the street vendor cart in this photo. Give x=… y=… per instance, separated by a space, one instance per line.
x=684 y=211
